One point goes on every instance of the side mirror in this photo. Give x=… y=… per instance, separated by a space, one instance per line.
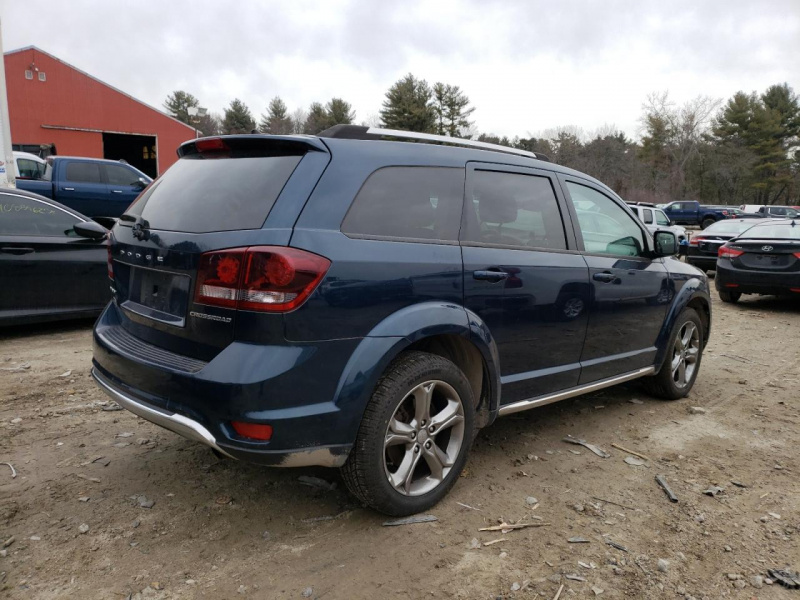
x=666 y=244
x=91 y=230
x=141 y=183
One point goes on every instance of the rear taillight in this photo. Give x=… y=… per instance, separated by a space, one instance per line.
x=110 y=263
x=695 y=240
x=259 y=278
x=725 y=213
x=727 y=252
x=253 y=431
x=797 y=254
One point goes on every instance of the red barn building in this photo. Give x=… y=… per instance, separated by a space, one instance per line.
x=52 y=103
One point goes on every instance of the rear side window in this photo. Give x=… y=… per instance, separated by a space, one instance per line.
x=647 y=216
x=83 y=172
x=198 y=195
x=119 y=175
x=510 y=209
x=422 y=203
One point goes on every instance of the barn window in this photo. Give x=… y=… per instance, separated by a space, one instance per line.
x=42 y=76
x=28 y=74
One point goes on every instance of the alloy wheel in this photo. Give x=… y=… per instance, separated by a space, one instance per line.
x=685 y=353
x=423 y=438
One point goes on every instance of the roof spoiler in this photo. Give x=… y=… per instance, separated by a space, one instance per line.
x=240 y=146
x=360 y=132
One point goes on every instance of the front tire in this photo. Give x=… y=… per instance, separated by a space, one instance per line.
x=414 y=437
x=729 y=297
x=682 y=363
x=707 y=223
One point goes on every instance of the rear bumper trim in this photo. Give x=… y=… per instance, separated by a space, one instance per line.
x=176 y=423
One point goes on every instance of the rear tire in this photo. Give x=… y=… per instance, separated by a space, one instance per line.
x=682 y=363
x=729 y=297
x=707 y=223
x=407 y=458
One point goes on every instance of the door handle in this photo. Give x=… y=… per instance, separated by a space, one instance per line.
x=69 y=189
x=490 y=275
x=16 y=250
x=116 y=191
x=605 y=277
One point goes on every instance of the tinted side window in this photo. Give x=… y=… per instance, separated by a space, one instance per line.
x=408 y=202
x=661 y=218
x=30 y=169
x=84 y=172
x=25 y=216
x=510 y=209
x=605 y=226
x=119 y=175
x=647 y=216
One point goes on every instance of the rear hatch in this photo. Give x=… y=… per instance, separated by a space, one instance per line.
x=229 y=193
x=709 y=245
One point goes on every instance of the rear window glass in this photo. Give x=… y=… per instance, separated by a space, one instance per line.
x=786 y=231
x=199 y=195
x=408 y=203
x=729 y=226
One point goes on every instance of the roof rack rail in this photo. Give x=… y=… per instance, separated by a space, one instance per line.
x=359 y=132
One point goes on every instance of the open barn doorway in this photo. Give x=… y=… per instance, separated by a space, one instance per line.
x=136 y=150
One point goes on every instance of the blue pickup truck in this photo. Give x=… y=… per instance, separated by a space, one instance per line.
x=91 y=186
x=691 y=212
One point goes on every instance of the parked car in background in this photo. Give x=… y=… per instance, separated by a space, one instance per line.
x=750 y=208
x=92 y=186
x=53 y=260
x=28 y=166
x=783 y=212
x=654 y=219
x=704 y=246
x=691 y=212
x=348 y=301
x=764 y=259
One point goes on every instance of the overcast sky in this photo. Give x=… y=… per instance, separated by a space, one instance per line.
x=527 y=66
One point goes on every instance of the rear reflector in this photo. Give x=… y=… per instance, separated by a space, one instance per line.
x=727 y=252
x=797 y=290
x=254 y=431
x=731 y=285
x=259 y=278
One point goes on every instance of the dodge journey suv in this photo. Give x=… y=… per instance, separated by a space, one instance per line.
x=360 y=301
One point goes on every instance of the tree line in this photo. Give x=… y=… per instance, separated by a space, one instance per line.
x=745 y=150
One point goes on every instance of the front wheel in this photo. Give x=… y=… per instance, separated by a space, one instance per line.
x=682 y=363
x=729 y=297
x=415 y=436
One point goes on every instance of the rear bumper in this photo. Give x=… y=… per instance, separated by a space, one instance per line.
x=276 y=385
x=706 y=263
x=730 y=279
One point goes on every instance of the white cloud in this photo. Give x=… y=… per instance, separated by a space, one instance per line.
x=527 y=66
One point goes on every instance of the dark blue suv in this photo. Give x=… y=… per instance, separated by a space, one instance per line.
x=355 y=300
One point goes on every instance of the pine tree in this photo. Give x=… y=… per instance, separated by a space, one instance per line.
x=178 y=104
x=452 y=110
x=238 y=118
x=317 y=119
x=408 y=106
x=276 y=121
x=339 y=112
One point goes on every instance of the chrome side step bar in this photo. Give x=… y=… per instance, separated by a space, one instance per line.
x=576 y=391
x=174 y=422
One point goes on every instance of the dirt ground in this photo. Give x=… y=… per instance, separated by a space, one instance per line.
x=74 y=526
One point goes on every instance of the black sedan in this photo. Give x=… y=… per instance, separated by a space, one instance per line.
x=54 y=260
x=703 y=246
x=765 y=259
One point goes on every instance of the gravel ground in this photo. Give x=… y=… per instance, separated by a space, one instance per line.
x=106 y=505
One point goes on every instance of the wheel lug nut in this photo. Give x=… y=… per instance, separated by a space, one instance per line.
x=413 y=435
x=416 y=448
x=428 y=444
x=431 y=429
